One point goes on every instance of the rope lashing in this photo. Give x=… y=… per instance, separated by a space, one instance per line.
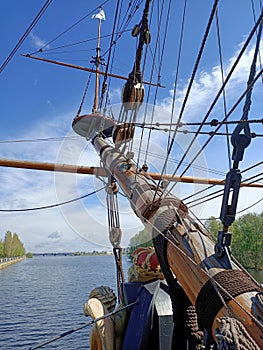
x=233 y=336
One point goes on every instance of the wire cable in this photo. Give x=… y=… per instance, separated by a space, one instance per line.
x=24 y=36
x=52 y=205
x=68 y=29
x=217 y=97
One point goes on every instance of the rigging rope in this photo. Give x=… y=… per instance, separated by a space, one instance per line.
x=109 y=55
x=190 y=86
x=68 y=29
x=213 y=122
x=115 y=232
x=224 y=92
x=150 y=80
x=177 y=71
x=52 y=205
x=220 y=91
x=243 y=171
x=24 y=36
x=218 y=287
x=84 y=95
x=159 y=70
x=217 y=97
x=218 y=191
x=209 y=139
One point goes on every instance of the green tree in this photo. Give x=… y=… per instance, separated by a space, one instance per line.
x=17 y=246
x=141 y=239
x=8 y=244
x=213 y=225
x=247 y=240
x=2 y=249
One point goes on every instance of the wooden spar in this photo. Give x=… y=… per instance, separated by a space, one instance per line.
x=64 y=168
x=190 y=252
x=86 y=69
x=197 y=180
x=80 y=169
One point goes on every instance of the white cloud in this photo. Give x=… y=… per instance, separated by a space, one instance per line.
x=37 y=42
x=207 y=85
x=84 y=223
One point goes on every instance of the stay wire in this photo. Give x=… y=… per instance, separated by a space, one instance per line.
x=254 y=17
x=78 y=43
x=160 y=67
x=247 y=94
x=109 y=55
x=177 y=70
x=84 y=95
x=224 y=91
x=52 y=205
x=220 y=192
x=186 y=131
x=213 y=122
x=218 y=95
x=238 y=212
x=69 y=28
x=211 y=186
x=228 y=114
x=208 y=27
x=250 y=206
x=151 y=77
x=218 y=287
x=24 y=36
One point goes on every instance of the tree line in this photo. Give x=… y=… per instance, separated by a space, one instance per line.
x=11 y=246
x=247 y=238
x=141 y=239
x=246 y=244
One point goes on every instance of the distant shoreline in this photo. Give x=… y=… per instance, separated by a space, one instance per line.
x=5 y=264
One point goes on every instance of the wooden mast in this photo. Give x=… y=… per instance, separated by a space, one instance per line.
x=189 y=251
x=97 y=61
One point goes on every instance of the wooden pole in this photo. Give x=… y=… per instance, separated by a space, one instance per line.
x=97 y=62
x=85 y=69
x=65 y=168
x=80 y=169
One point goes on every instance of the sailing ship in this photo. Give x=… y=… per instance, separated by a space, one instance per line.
x=188 y=292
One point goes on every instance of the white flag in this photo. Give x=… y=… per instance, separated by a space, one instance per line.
x=100 y=15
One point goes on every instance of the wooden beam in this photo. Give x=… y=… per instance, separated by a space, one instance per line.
x=80 y=169
x=86 y=69
x=65 y=168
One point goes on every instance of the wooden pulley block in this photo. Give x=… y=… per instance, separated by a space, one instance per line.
x=123 y=133
x=132 y=95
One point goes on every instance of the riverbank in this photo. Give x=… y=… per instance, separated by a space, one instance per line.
x=10 y=261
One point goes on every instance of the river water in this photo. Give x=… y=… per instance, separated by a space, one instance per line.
x=44 y=297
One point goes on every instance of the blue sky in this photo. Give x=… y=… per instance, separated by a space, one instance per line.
x=39 y=101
